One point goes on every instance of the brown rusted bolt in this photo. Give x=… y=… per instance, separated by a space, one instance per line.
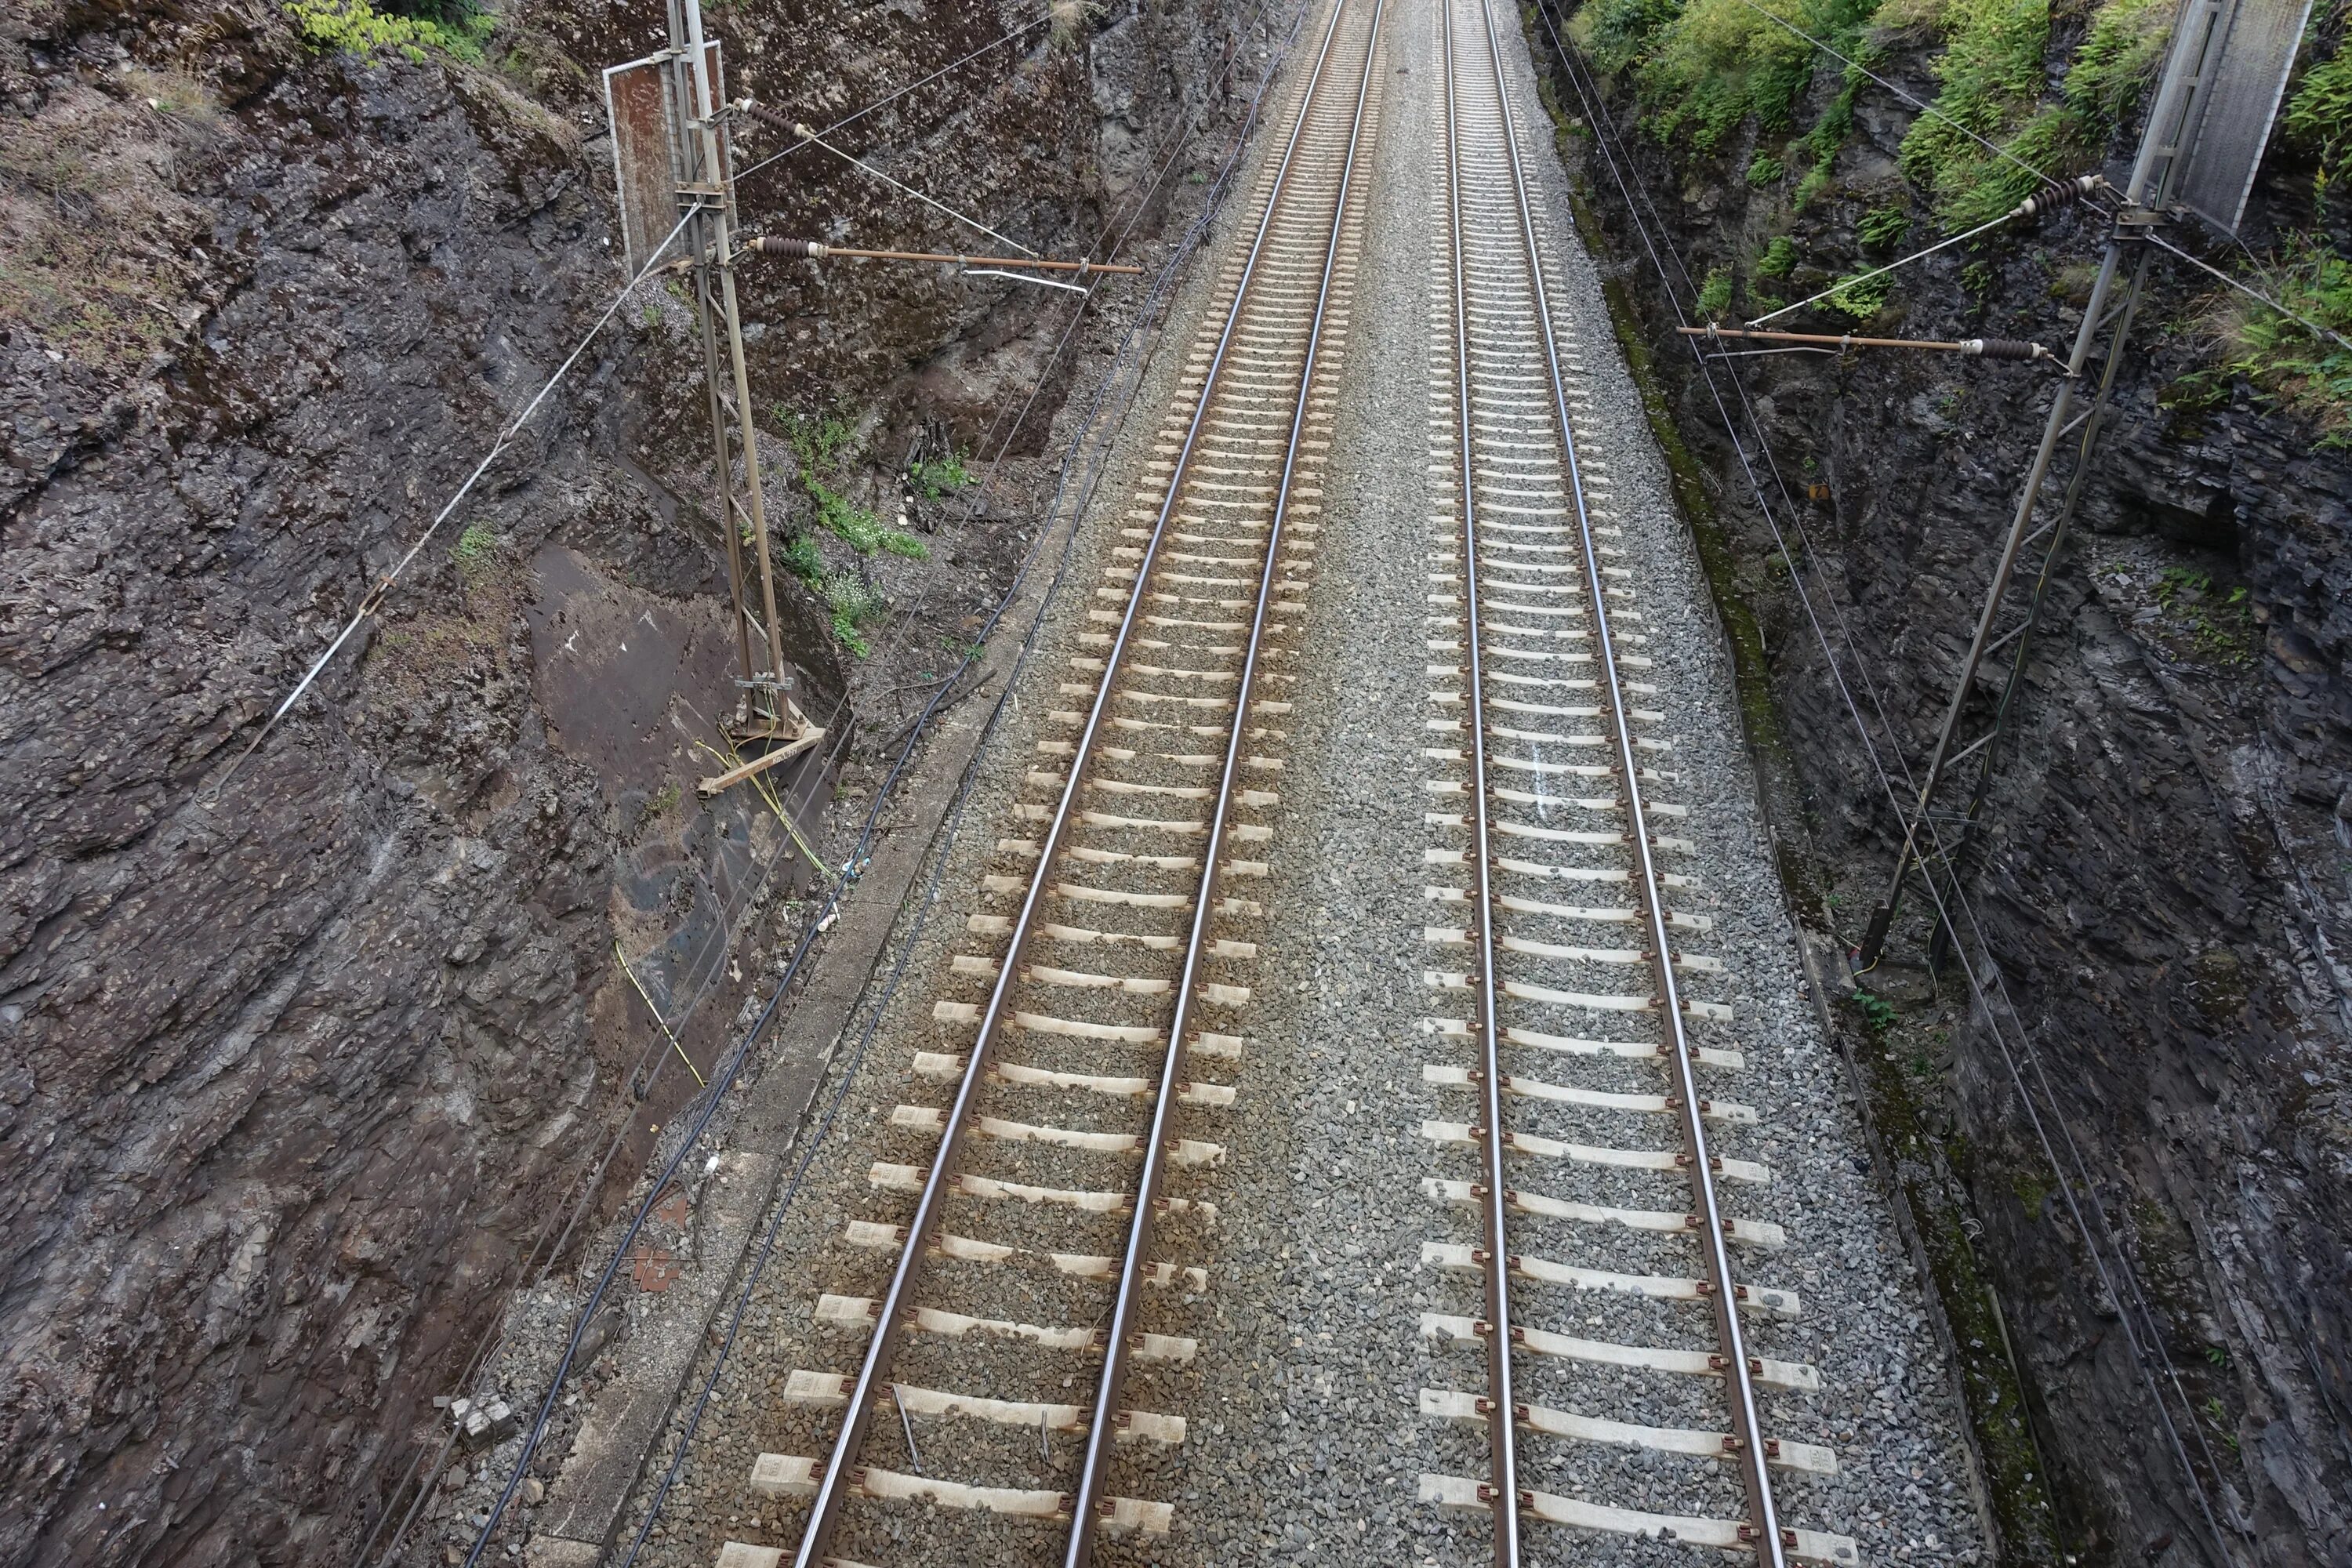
x=1739 y=1292
x=1746 y=1532
x=1484 y=1406
x=1754 y=1367
x=1477 y=1190
x=1684 y=1160
x=1519 y=1335
x=1788 y=1538
x=1481 y=1327
x=1520 y=1411
x=1713 y=1362
x=1705 y=1286
x=1514 y=1261
x=1772 y=1447
x=1486 y=1493
x=1127 y=1418
x=1160 y=1206
x=1527 y=1499
x=1732 y=1445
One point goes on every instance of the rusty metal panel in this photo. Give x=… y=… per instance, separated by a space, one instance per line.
x=637 y=96
x=2258 y=40
x=726 y=144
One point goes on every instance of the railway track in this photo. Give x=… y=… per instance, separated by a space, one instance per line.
x=1052 y=1216
x=1622 y=1250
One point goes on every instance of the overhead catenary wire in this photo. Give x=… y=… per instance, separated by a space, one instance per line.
x=888 y=98
x=1978 y=987
x=815 y=139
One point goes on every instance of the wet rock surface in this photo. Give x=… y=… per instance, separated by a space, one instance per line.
x=303 y=1067
x=2162 y=880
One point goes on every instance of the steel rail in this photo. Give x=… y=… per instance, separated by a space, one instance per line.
x=872 y=1373
x=1747 y=1427
x=1101 y=1432
x=1502 y=1402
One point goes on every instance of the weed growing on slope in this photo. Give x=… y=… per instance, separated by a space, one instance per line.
x=1882 y=227
x=2318 y=118
x=823 y=446
x=853 y=603
x=356 y=27
x=1992 y=76
x=2221 y=627
x=1715 y=294
x=1860 y=295
x=1701 y=67
x=2288 y=364
x=474 y=551
x=936 y=477
x=1778 y=259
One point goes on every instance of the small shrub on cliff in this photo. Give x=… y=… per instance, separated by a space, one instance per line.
x=1766 y=170
x=2289 y=365
x=1992 y=76
x=1715 y=294
x=822 y=445
x=475 y=549
x=1882 y=227
x=356 y=27
x=1862 y=296
x=853 y=603
x=2319 y=119
x=1778 y=259
x=936 y=477
x=1701 y=67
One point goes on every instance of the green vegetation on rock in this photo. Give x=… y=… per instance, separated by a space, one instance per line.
x=1992 y=74
x=2288 y=364
x=823 y=446
x=356 y=27
x=1715 y=294
x=936 y=477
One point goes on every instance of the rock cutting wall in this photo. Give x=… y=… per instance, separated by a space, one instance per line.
x=2164 y=884
x=293 y=1069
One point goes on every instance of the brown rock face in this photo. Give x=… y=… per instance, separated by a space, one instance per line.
x=295 y=1072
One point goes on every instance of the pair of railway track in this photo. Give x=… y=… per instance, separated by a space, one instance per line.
x=1550 y=766
x=1098 y=1014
